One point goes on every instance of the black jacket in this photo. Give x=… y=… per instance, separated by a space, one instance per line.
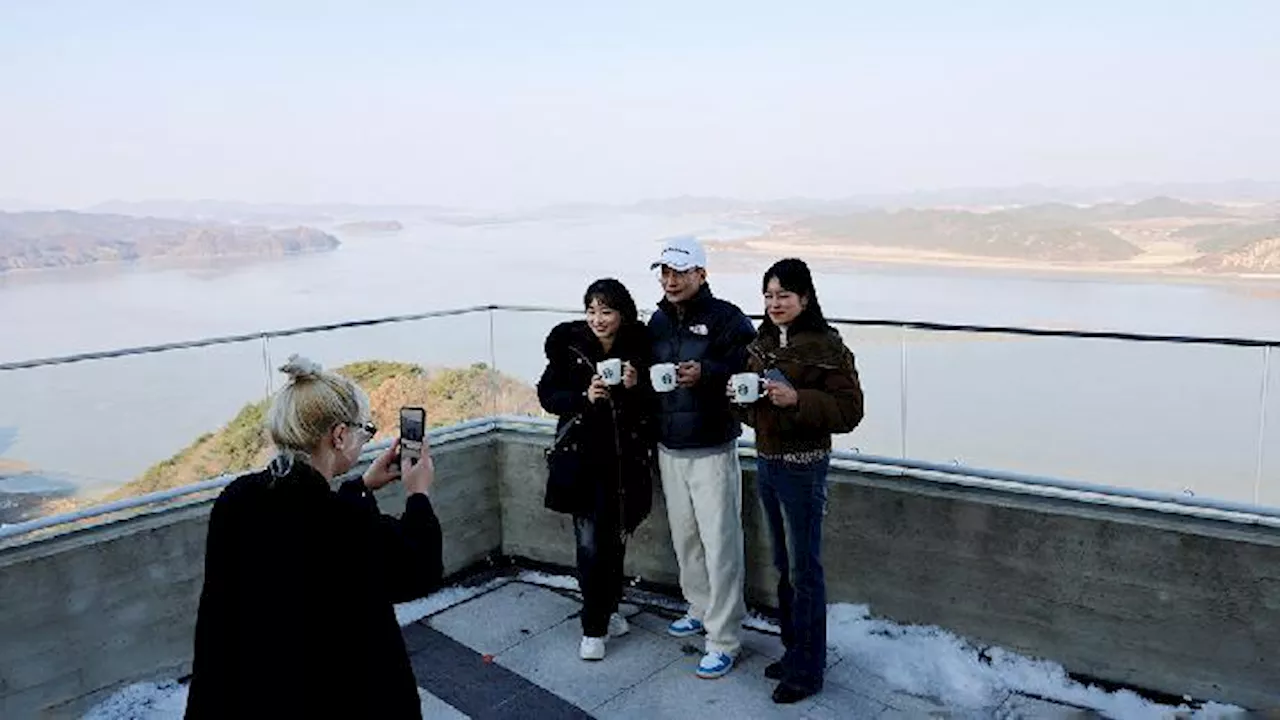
x=611 y=445
x=715 y=333
x=296 y=616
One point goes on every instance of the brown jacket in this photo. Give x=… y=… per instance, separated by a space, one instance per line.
x=825 y=376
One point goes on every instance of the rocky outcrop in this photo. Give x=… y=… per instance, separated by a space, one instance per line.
x=62 y=239
x=1261 y=256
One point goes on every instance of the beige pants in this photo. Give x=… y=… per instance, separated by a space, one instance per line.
x=703 y=489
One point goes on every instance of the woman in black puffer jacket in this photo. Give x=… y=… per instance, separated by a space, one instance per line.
x=602 y=463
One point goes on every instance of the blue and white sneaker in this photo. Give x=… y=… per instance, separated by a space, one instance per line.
x=685 y=627
x=714 y=665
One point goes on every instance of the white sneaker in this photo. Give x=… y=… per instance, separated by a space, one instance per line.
x=618 y=626
x=592 y=648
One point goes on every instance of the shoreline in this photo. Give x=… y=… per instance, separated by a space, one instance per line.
x=853 y=256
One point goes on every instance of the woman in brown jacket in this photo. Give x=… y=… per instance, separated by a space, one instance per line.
x=811 y=392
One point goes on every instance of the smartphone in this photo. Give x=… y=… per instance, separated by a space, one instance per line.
x=413 y=428
x=777 y=376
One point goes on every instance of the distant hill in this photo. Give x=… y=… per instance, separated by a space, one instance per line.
x=999 y=234
x=1149 y=209
x=1227 y=237
x=450 y=395
x=1259 y=256
x=62 y=238
x=370 y=227
x=265 y=213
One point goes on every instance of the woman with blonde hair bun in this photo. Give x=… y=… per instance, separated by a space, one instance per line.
x=296 y=614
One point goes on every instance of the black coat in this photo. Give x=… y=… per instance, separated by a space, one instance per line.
x=612 y=455
x=715 y=333
x=296 y=616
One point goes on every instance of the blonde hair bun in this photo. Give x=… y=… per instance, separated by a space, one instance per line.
x=301 y=368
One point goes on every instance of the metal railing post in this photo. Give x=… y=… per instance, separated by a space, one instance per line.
x=902 y=388
x=266 y=364
x=493 y=366
x=1263 y=398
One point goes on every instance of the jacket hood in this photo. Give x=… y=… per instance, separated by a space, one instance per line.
x=577 y=334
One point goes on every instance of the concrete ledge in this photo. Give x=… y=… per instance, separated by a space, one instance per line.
x=87 y=611
x=1167 y=602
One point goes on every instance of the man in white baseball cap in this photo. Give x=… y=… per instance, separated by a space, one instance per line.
x=681 y=254
x=706 y=339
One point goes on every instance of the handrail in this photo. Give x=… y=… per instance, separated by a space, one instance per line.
x=862 y=322
x=957 y=474
x=457 y=431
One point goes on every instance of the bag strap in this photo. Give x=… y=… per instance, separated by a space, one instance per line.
x=565 y=430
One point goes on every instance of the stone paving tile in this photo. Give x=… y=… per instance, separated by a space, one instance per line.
x=753 y=642
x=498 y=621
x=551 y=660
x=839 y=703
x=656 y=624
x=433 y=708
x=676 y=692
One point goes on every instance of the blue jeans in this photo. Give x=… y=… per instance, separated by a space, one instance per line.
x=794 y=498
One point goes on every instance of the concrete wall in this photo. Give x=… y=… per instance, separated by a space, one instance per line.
x=85 y=612
x=1159 y=601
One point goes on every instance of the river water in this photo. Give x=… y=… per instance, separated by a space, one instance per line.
x=1165 y=417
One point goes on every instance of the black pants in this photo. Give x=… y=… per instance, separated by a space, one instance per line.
x=600 y=554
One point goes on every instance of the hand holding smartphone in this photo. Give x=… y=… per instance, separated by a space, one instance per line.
x=413 y=429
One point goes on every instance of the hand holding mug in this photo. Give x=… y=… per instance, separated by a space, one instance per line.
x=780 y=394
x=598 y=389
x=688 y=373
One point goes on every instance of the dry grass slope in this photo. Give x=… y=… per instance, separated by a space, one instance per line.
x=450 y=395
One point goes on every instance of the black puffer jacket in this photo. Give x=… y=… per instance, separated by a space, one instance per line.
x=715 y=333
x=612 y=440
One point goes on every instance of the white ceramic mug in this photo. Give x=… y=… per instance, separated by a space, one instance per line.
x=663 y=377
x=746 y=387
x=610 y=371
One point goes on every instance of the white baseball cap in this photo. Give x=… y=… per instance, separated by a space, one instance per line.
x=681 y=253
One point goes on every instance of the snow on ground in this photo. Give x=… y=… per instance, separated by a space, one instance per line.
x=143 y=701
x=442 y=600
x=919 y=660
x=929 y=661
x=560 y=582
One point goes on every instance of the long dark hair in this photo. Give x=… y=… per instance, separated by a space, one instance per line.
x=793 y=275
x=614 y=295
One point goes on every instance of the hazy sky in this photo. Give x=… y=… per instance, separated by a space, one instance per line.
x=535 y=101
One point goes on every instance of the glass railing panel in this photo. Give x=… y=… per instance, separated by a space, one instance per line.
x=83 y=433
x=441 y=363
x=1155 y=416
x=877 y=353
x=519 y=338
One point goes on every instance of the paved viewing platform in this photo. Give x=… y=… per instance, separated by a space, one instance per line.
x=507 y=648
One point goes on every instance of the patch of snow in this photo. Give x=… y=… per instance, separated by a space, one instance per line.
x=443 y=599
x=562 y=582
x=756 y=621
x=143 y=701
x=932 y=662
